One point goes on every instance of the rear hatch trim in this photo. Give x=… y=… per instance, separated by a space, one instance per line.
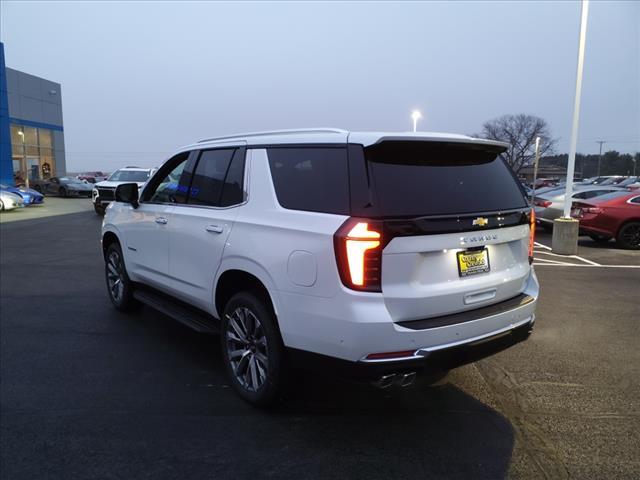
x=471 y=222
x=469 y=315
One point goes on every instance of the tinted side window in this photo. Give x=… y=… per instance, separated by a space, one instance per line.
x=173 y=186
x=208 y=178
x=635 y=200
x=233 y=189
x=314 y=179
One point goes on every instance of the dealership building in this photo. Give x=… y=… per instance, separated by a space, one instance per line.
x=31 y=128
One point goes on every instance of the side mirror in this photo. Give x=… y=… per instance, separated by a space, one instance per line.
x=127 y=193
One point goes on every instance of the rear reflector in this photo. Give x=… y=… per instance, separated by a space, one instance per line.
x=390 y=355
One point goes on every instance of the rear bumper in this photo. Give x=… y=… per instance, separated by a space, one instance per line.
x=352 y=326
x=424 y=363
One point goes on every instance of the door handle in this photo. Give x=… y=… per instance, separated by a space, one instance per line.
x=161 y=220
x=214 y=229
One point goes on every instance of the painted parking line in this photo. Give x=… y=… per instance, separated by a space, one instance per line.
x=566 y=257
x=545 y=264
x=540 y=245
x=554 y=262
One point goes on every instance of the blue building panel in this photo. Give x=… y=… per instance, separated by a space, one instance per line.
x=6 y=166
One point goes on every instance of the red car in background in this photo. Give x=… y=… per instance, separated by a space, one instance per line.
x=614 y=215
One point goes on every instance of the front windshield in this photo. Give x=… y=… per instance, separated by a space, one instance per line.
x=129 y=176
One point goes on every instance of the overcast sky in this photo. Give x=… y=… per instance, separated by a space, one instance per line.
x=141 y=79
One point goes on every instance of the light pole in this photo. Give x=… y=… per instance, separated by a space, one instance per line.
x=24 y=160
x=535 y=170
x=576 y=109
x=565 y=228
x=415 y=116
x=600 y=154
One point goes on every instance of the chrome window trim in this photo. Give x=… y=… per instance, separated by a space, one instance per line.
x=630 y=202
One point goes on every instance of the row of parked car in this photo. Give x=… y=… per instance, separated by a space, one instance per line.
x=12 y=197
x=607 y=207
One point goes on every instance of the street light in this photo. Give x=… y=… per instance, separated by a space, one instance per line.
x=415 y=116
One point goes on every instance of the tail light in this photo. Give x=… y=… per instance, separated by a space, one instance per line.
x=358 y=244
x=532 y=233
x=594 y=210
x=542 y=203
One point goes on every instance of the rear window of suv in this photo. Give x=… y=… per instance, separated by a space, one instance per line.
x=432 y=178
x=313 y=179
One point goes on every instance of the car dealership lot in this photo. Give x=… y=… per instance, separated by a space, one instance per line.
x=89 y=392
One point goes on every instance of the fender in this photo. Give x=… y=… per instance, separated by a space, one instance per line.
x=250 y=266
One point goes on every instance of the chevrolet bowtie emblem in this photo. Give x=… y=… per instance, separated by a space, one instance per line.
x=480 y=221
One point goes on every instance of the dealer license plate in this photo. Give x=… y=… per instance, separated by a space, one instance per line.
x=472 y=262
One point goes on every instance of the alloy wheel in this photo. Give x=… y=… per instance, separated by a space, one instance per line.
x=115 y=277
x=247 y=350
x=631 y=235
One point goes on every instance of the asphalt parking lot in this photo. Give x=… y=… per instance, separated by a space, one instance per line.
x=87 y=392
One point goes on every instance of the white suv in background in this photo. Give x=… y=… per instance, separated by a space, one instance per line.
x=102 y=193
x=375 y=256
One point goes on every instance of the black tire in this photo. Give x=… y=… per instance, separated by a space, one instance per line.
x=63 y=192
x=119 y=287
x=99 y=209
x=602 y=239
x=257 y=372
x=629 y=236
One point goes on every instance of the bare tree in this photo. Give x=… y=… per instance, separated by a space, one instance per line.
x=520 y=132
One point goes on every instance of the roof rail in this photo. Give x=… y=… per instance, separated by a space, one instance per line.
x=276 y=132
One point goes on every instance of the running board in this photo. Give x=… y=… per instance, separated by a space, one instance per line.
x=183 y=313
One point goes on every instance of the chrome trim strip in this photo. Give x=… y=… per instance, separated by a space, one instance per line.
x=423 y=352
x=426 y=350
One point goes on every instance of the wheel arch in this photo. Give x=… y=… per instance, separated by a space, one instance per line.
x=108 y=238
x=247 y=277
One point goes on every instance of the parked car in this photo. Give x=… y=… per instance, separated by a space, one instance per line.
x=103 y=192
x=92 y=177
x=387 y=276
x=615 y=215
x=613 y=180
x=10 y=201
x=29 y=195
x=545 y=182
x=628 y=181
x=550 y=205
x=63 y=186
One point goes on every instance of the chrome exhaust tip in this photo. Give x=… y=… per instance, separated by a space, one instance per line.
x=406 y=379
x=385 y=381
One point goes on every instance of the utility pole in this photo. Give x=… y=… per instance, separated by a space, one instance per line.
x=600 y=155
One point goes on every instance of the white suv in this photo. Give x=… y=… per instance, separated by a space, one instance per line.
x=103 y=192
x=370 y=255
